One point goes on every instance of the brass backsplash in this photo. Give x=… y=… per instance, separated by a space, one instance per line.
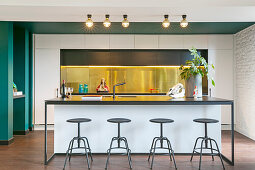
x=139 y=79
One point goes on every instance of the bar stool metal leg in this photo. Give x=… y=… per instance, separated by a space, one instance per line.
x=169 y=148
x=151 y=147
x=67 y=152
x=201 y=153
x=153 y=154
x=219 y=153
x=90 y=154
x=86 y=153
x=152 y=144
x=172 y=153
x=109 y=153
x=195 y=148
x=128 y=152
x=71 y=151
x=211 y=149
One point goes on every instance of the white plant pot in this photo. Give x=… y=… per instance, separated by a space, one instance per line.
x=190 y=86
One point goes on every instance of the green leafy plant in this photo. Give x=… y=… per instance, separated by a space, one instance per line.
x=197 y=65
x=14 y=85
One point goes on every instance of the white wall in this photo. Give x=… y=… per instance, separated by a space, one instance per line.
x=220 y=51
x=245 y=81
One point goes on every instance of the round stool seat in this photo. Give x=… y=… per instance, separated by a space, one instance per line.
x=78 y=120
x=119 y=120
x=161 y=120
x=204 y=120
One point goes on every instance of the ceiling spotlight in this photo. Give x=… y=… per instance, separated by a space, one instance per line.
x=125 y=22
x=107 y=22
x=166 y=22
x=184 y=23
x=89 y=22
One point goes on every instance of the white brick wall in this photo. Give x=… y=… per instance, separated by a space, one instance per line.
x=245 y=81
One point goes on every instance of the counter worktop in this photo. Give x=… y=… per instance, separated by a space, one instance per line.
x=141 y=100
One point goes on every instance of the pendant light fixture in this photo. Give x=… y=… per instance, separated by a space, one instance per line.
x=107 y=22
x=125 y=22
x=166 y=22
x=89 y=22
x=184 y=23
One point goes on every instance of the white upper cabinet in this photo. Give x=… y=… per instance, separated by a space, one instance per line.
x=146 y=41
x=47 y=41
x=220 y=42
x=99 y=41
x=197 y=41
x=171 y=41
x=74 y=41
x=122 y=41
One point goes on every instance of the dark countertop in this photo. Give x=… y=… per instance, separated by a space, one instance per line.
x=141 y=100
x=103 y=93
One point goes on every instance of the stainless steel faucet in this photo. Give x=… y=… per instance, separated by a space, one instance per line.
x=120 y=84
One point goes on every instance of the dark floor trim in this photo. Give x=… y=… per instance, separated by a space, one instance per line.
x=31 y=128
x=21 y=132
x=6 y=142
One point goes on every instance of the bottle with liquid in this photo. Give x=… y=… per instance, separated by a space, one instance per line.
x=81 y=89
x=63 y=90
x=86 y=89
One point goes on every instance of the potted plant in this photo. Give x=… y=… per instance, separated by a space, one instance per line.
x=193 y=72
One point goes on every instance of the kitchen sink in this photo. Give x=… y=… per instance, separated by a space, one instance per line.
x=126 y=96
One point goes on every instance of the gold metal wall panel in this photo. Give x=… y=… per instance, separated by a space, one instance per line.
x=139 y=79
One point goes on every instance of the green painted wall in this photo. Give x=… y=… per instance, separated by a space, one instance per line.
x=31 y=81
x=6 y=74
x=21 y=78
x=135 y=28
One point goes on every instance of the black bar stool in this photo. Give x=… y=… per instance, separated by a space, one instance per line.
x=86 y=146
x=205 y=140
x=161 y=138
x=119 y=139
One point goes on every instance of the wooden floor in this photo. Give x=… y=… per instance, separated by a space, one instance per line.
x=26 y=153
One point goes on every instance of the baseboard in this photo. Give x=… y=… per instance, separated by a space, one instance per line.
x=21 y=132
x=42 y=127
x=6 y=142
x=244 y=132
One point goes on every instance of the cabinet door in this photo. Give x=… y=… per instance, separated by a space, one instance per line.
x=122 y=41
x=97 y=41
x=146 y=41
x=47 y=41
x=224 y=78
x=197 y=41
x=47 y=80
x=171 y=41
x=220 y=42
x=71 y=41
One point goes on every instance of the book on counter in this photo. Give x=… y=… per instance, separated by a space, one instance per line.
x=92 y=97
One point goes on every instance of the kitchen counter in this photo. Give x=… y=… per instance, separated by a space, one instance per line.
x=141 y=100
x=139 y=132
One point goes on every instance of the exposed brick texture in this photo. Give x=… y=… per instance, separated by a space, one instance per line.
x=244 y=54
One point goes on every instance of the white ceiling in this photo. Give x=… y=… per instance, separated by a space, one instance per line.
x=137 y=10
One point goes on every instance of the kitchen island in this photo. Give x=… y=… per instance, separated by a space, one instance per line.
x=139 y=132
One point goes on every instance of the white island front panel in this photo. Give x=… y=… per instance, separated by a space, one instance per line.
x=139 y=132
